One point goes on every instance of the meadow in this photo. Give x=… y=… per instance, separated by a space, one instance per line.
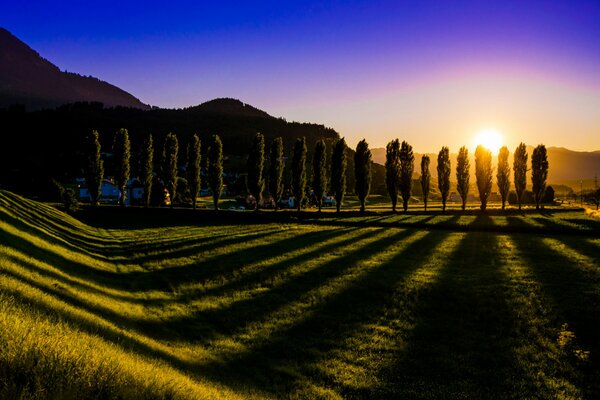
x=161 y=304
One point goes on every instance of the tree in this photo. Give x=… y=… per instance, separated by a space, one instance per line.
x=170 y=153
x=520 y=171
x=95 y=167
x=443 y=172
x=407 y=166
x=539 y=173
x=392 y=170
x=122 y=154
x=276 y=170
x=362 y=172
x=192 y=168
x=320 y=171
x=338 y=172
x=299 y=171
x=462 y=174
x=146 y=164
x=256 y=162
x=214 y=157
x=483 y=174
x=425 y=179
x=503 y=175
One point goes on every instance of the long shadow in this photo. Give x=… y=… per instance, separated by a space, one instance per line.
x=327 y=324
x=588 y=223
x=254 y=278
x=228 y=319
x=461 y=346
x=575 y=299
x=222 y=265
x=163 y=279
x=195 y=246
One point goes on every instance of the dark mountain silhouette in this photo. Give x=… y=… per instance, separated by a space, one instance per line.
x=30 y=80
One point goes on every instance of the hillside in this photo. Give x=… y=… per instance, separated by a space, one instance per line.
x=28 y=79
x=181 y=305
x=47 y=144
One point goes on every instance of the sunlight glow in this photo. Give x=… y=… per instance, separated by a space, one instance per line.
x=490 y=138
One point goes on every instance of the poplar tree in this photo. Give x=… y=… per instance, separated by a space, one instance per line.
x=215 y=168
x=520 y=171
x=170 y=153
x=362 y=172
x=338 y=172
x=425 y=179
x=146 y=165
x=392 y=170
x=276 y=170
x=462 y=174
x=407 y=166
x=299 y=171
x=539 y=173
x=443 y=172
x=95 y=167
x=122 y=154
x=256 y=161
x=503 y=174
x=319 y=172
x=483 y=174
x=192 y=168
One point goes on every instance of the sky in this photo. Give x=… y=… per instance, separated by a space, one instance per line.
x=432 y=73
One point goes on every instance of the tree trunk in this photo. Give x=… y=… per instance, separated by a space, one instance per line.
x=464 y=204
x=443 y=205
x=362 y=206
x=405 y=205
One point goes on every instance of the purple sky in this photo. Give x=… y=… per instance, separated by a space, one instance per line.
x=432 y=73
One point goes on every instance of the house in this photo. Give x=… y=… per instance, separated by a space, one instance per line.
x=109 y=192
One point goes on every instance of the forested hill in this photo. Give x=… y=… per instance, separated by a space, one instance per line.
x=47 y=144
x=30 y=80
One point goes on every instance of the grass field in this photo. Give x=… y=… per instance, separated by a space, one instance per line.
x=179 y=304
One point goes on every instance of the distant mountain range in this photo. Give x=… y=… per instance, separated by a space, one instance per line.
x=28 y=79
x=567 y=167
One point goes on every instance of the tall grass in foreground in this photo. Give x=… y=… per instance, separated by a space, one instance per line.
x=350 y=307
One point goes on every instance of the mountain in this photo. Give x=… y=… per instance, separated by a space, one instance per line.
x=30 y=80
x=567 y=167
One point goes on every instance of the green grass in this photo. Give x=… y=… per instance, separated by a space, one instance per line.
x=179 y=304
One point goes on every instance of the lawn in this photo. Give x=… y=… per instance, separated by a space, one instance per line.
x=159 y=303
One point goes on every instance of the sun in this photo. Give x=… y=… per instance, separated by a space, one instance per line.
x=489 y=138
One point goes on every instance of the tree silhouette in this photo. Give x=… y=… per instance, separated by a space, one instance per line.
x=214 y=157
x=299 y=170
x=443 y=171
x=483 y=174
x=539 y=173
x=520 y=171
x=192 y=168
x=425 y=179
x=503 y=174
x=122 y=154
x=319 y=172
x=462 y=175
x=146 y=166
x=407 y=166
x=276 y=170
x=95 y=167
x=170 y=154
x=392 y=170
x=338 y=172
x=256 y=161
x=362 y=172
